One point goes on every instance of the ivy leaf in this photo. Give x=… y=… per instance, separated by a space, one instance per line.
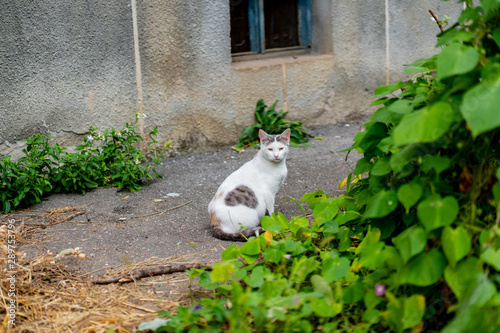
x=251 y=248
x=402 y=106
x=496 y=187
x=314 y=198
x=452 y=35
x=477 y=293
x=425 y=269
x=230 y=253
x=334 y=269
x=456 y=59
x=384 y=90
x=381 y=204
x=321 y=285
x=409 y=194
x=371 y=300
x=353 y=293
x=325 y=210
x=496 y=36
x=492 y=258
x=256 y=278
x=371 y=137
x=275 y=223
x=273 y=254
x=456 y=243
x=490 y=5
x=424 y=125
x=400 y=161
x=416 y=70
x=379 y=101
x=153 y=325
x=405 y=312
x=435 y=212
x=496 y=191
x=363 y=165
x=410 y=242
x=323 y=309
x=436 y=162
x=372 y=237
x=373 y=256
x=297 y=223
x=381 y=167
x=462 y=275
x=480 y=107
x=222 y=271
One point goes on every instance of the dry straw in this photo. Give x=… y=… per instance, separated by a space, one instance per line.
x=50 y=298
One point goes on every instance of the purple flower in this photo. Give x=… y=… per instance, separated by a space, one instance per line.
x=197 y=307
x=379 y=289
x=296 y=300
x=404 y=88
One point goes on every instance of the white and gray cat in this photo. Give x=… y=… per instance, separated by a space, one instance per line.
x=248 y=193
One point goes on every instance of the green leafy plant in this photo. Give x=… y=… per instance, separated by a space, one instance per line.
x=414 y=244
x=108 y=159
x=272 y=122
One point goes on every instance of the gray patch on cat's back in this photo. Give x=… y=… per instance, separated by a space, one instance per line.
x=241 y=195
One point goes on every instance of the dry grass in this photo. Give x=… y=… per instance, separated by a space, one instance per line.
x=50 y=298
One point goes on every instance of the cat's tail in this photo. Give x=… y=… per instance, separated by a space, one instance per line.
x=241 y=236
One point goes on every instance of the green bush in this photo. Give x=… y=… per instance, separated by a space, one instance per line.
x=45 y=169
x=415 y=242
x=272 y=122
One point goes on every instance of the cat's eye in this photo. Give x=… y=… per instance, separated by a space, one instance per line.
x=270 y=149
x=282 y=148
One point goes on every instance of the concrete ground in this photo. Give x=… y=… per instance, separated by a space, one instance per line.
x=123 y=226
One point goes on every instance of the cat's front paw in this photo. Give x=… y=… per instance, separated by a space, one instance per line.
x=253 y=232
x=258 y=231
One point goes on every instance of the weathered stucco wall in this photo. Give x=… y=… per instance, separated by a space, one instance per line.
x=67 y=64
x=63 y=66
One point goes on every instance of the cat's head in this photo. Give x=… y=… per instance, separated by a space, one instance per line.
x=274 y=147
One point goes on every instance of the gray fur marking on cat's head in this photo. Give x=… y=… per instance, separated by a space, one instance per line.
x=266 y=139
x=241 y=195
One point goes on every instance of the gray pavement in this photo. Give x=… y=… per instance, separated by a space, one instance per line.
x=116 y=227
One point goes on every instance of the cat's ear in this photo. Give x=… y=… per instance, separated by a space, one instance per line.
x=263 y=136
x=285 y=136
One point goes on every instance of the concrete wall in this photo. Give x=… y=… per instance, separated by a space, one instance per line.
x=63 y=66
x=67 y=64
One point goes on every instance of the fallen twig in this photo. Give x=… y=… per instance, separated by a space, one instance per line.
x=162 y=211
x=72 y=216
x=168 y=269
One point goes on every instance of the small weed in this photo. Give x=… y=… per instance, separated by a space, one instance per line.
x=272 y=122
x=107 y=159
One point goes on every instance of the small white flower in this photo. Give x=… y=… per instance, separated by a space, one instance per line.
x=140 y=115
x=126 y=129
x=119 y=134
x=287 y=256
x=90 y=138
x=137 y=161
